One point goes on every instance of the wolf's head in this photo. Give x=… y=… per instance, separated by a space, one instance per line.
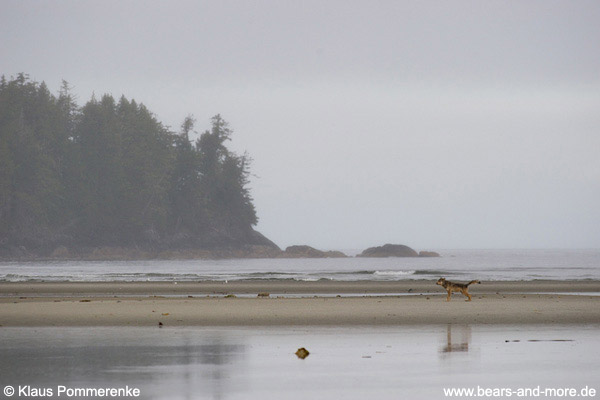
x=441 y=281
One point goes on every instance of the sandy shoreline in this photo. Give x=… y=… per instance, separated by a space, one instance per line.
x=137 y=304
x=283 y=287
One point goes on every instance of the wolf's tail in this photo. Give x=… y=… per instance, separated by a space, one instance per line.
x=473 y=282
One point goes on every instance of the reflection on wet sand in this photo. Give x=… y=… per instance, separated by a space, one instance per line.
x=458 y=338
x=217 y=355
x=196 y=365
x=204 y=370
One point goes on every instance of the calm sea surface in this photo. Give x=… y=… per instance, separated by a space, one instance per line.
x=454 y=264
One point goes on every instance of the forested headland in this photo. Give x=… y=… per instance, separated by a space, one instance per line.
x=78 y=180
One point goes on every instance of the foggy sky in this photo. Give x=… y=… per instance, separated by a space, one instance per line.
x=436 y=124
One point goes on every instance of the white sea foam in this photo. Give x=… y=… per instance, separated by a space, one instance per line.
x=394 y=273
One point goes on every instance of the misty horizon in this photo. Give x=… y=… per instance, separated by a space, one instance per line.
x=435 y=125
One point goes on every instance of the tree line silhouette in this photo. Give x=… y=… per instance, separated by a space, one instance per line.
x=110 y=174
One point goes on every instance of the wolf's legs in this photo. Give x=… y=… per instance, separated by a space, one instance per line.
x=466 y=293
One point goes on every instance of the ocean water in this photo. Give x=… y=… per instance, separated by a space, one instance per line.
x=417 y=362
x=454 y=264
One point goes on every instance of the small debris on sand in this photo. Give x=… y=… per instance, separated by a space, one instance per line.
x=302 y=353
x=263 y=295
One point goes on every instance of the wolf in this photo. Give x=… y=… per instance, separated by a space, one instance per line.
x=456 y=287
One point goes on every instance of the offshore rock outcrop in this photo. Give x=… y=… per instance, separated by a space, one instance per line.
x=428 y=254
x=389 y=250
x=395 y=250
x=304 y=251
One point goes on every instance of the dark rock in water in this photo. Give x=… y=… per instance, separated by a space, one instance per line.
x=428 y=254
x=302 y=353
x=303 y=251
x=389 y=250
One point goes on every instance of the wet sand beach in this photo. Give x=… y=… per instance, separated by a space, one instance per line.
x=284 y=287
x=204 y=304
x=383 y=362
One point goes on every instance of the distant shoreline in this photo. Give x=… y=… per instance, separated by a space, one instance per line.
x=270 y=250
x=206 y=304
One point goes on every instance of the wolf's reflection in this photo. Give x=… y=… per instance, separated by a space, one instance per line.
x=458 y=338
